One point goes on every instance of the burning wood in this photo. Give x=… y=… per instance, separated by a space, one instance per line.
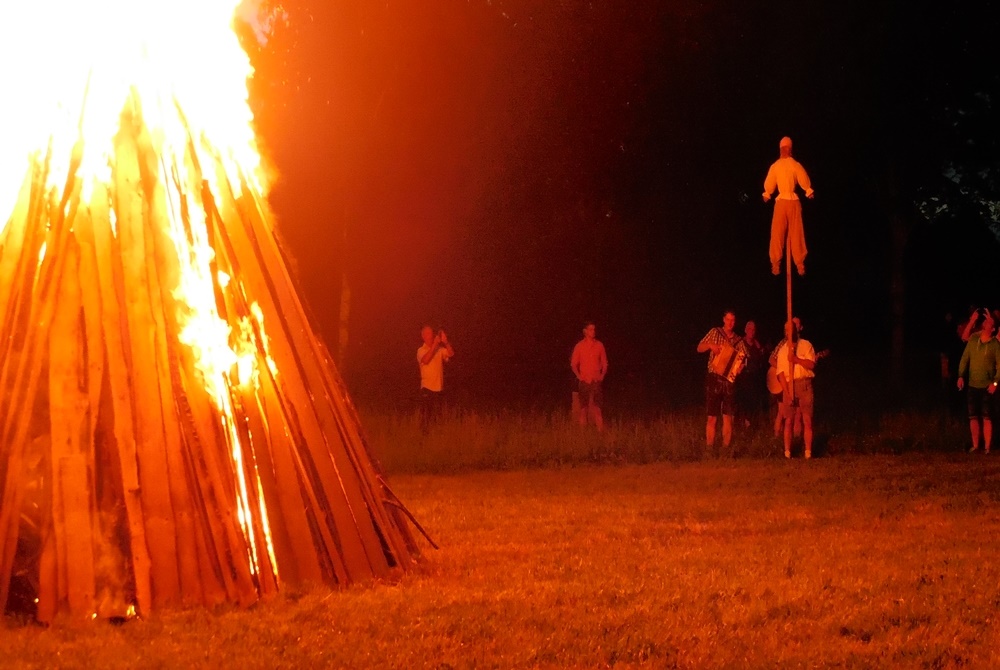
x=172 y=432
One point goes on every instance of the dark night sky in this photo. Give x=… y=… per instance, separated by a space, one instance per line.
x=508 y=169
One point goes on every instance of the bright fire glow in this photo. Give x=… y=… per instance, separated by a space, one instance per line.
x=182 y=52
x=68 y=68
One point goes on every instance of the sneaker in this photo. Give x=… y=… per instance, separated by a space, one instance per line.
x=973 y=449
x=809 y=454
x=775 y=268
x=802 y=269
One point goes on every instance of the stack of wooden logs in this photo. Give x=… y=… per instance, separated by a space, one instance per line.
x=120 y=477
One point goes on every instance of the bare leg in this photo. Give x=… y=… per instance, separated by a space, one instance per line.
x=582 y=416
x=974 y=430
x=807 y=433
x=987 y=433
x=598 y=420
x=710 y=432
x=788 y=436
x=727 y=430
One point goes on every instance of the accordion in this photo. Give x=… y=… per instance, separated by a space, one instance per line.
x=729 y=363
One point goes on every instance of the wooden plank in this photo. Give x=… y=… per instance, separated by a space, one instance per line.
x=78 y=517
x=255 y=510
x=210 y=461
x=112 y=594
x=295 y=548
x=387 y=519
x=205 y=579
x=24 y=231
x=330 y=394
x=162 y=274
x=157 y=504
x=16 y=235
x=297 y=559
x=69 y=424
x=219 y=486
x=330 y=549
x=47 y=605
x=24 y=378
x=15 y=430
x=336 y=490
x=114 y=333
x=351 y=508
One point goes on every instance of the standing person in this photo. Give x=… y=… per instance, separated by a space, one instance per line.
x=776 y=390
x=726 y=355
x=589 y=363
x=798 y=353
x=784 y=174
x=980 y=360
x=431 y=357
x=750 y=384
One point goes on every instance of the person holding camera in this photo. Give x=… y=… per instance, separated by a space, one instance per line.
x=979 y=360
x=589 y=363
x=431 y=357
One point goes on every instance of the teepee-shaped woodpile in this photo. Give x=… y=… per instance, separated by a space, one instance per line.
x=136 y=471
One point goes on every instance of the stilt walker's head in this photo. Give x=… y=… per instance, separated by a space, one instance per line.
x=785 y=146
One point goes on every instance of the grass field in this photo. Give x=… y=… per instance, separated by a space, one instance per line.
x=508 y=440
x=853 y=561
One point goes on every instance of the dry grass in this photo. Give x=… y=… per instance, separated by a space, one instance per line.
x=875 y=561
x=509 y=440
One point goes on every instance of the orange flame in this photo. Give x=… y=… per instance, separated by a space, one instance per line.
x=183 y=63
x=177 y=54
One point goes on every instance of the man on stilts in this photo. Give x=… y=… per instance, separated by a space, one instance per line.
x=784 y=174
x=787 y=234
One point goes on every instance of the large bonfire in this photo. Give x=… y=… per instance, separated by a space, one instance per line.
x=172 y=433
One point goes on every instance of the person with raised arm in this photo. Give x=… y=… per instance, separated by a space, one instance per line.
x=979 y=360
x=435 y=351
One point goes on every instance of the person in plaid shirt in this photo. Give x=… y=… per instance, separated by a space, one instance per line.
x=720 y=396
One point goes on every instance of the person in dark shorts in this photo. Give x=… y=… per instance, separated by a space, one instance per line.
x=751 y=384
x=589 y=362
x=720 y=390
x=979 y=360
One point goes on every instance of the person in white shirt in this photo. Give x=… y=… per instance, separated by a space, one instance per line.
x=795 y=365
x=784 y=174
x=431 y=357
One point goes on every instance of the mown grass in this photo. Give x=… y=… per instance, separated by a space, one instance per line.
x=877 y=561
